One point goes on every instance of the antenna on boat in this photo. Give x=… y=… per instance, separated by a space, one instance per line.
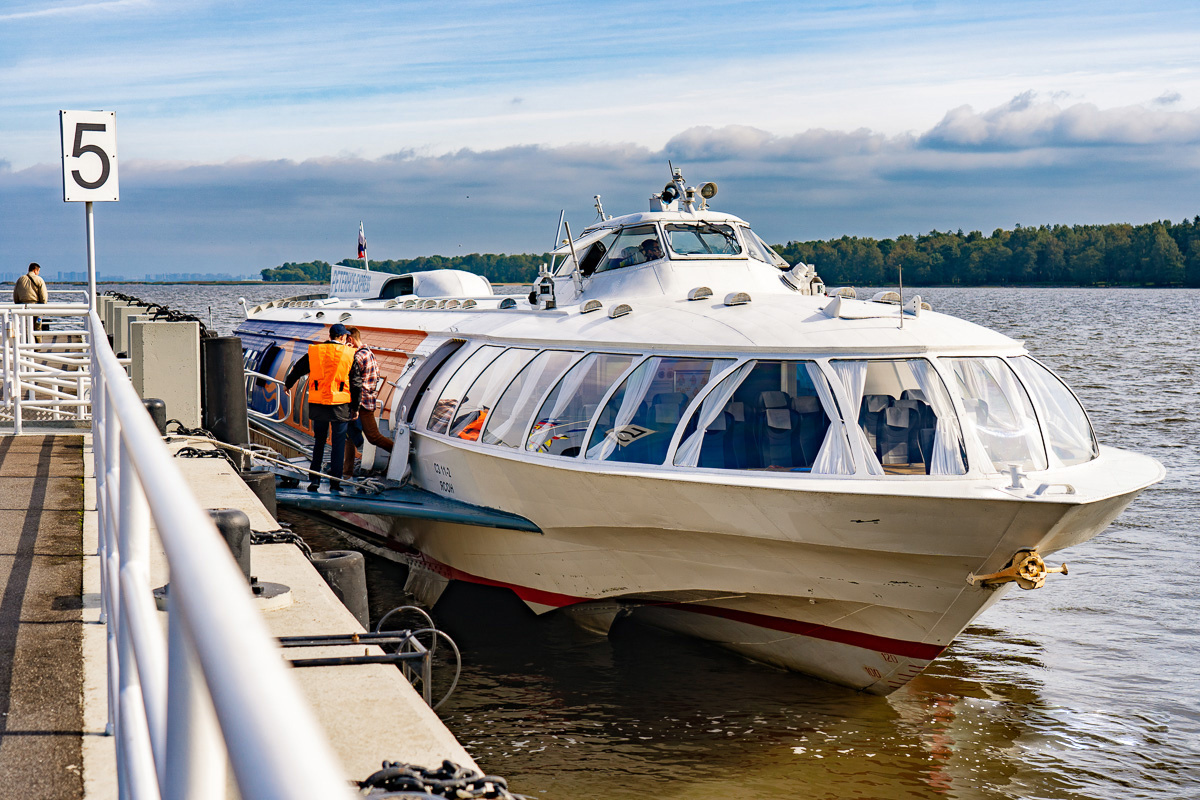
x=575 y=274
x=600 y=209
x=543 y=270
x=900 y=272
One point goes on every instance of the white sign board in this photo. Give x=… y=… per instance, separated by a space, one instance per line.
x=89 y=156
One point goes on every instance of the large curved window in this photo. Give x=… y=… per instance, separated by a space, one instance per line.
x=562 y=422
x=638 y=421
x=507 y=423
x=472 y=412
x=464 y=376
x=999 y=414
x=772 y=415
x=906 y=423
x=1064 y=421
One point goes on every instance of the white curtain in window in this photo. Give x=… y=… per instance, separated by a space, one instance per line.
x=688 y=453
x=835 y=456
x=1004 y=424
x=853 y=375
x=570 y=386
x=1066 y=424
x=566 y=393
x=519 y=410
x=636 y=387
x=947 y=453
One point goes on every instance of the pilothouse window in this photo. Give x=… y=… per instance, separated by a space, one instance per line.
x=703 y=239
x=759 y=249
x=638 y=421
x=636 y=245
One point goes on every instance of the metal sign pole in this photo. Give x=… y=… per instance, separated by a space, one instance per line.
x=91 y=254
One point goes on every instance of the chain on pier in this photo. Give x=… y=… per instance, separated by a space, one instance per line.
x=398 y=780
x=162 y=311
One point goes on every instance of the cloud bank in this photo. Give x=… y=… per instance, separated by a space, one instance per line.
x=1028 y=161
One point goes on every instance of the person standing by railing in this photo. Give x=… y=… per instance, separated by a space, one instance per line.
x=31 y=288
x=364 y=425
x=334 y=392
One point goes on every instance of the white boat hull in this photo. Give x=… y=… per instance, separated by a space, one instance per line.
x=859 y=589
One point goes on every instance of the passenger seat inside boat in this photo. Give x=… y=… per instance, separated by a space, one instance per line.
x=899 y=430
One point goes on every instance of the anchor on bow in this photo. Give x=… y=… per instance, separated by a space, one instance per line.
x=1026 y=568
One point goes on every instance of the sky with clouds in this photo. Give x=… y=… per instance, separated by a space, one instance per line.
x=256 y=133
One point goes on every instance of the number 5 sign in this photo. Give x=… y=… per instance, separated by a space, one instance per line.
x=89 y=156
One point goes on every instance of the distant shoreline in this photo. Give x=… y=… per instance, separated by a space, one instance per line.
x=907 y=286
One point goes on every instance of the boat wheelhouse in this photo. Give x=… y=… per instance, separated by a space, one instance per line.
x=677 y=425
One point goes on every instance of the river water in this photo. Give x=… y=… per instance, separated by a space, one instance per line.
x=1087 y=688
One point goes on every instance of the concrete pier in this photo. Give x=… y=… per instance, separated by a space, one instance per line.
x=52 y=647
x=41 y=669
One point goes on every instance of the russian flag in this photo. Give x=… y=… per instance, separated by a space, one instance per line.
x=362 y=242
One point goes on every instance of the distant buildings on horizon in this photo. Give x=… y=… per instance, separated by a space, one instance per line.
x=66 y=276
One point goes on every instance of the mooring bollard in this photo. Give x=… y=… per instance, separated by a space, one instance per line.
x=158 y=413
x=346 y=573
x=234 y=526
x=262 y=483
x=223 y=390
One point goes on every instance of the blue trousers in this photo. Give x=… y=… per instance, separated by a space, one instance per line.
x=337 y=449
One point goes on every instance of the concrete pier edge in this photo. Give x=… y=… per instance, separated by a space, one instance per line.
x=369 y=713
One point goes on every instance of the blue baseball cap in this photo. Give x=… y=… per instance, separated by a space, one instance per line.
x=337 y=329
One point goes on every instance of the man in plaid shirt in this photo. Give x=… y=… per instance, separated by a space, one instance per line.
x=365 y=425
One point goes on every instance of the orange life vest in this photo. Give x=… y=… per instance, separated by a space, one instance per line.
x=329 y=373
x=471 y=431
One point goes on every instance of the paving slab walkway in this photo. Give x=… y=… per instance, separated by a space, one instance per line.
x=41 y=571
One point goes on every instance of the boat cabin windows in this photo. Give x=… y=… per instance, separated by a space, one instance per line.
x=1064 y=422
x=998 y=413
x=562 y=422
x=513 y=412
x=443 y=409
x=638 y=421
x=635 y=245
x=906 y=423
x=766 y=415
x=472 y=412
x=702 y=239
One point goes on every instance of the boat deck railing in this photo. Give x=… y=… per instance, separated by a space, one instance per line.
x=213 y=689
x=275 y=398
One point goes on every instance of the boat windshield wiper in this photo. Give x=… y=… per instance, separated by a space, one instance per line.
x=729 y=237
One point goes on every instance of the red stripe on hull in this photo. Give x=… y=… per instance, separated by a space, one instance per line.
x=867 y=641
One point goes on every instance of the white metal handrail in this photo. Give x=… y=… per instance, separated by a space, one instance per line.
x=218 y=685
x=53 y=377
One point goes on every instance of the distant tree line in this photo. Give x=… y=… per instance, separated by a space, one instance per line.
x=497 y=268
x=1155 y=254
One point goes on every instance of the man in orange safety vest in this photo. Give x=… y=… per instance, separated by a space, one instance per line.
x=334 y=390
